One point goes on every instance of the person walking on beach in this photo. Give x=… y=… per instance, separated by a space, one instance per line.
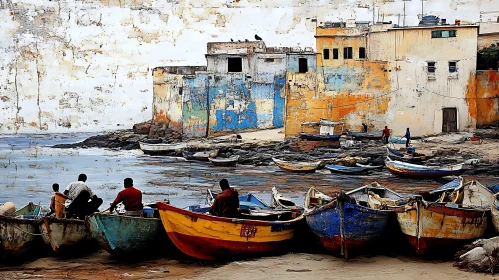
x=81 y=200
x=407 y=137
x=385 y=135
x=55 y=187
x=226 y=203
x=131 y=198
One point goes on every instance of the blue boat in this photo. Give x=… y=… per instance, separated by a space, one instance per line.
x=407 y=157
x=247 y=201
x=494 y=189
x=352 y=220
x=346 y=169
x=319 y=137
x=124 y=235
x=408 y=170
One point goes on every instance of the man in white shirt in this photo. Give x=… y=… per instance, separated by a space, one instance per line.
x=81 y=200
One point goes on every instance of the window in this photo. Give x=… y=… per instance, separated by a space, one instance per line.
x=326 y=54
x=431 y=67
x=235 y=64
x=443 y=33
x=347 y=53
x=362 y=52
x=335 y=54
x=268 y=60
x=452 y=66
x=302 y=65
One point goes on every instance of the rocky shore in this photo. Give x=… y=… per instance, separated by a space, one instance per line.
x=444 y=149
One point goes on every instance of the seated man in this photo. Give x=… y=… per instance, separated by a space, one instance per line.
x=81 y=201
x=131 y=198
x=55 y=187
x=226 y=203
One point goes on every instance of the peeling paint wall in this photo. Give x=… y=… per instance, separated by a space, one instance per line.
x=74 y=65
x=487 y=97
x=392 y=86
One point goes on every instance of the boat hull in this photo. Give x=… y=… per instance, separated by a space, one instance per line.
x=209 y=238
x=359 y=226
x=421 y=173
x=18 y=237
x=296 y=167
x=375 y=135
x=495 y=212
x=161 y=149
x=439 y=225
x=224 y=162
x=319 y=137
x=122 y=235
x=66 y=236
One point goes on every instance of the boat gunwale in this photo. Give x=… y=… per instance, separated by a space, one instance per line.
x=20 y=220
x=166 y=207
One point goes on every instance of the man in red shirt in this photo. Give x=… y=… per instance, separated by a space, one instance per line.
x=226 y=203
x=385 y=135
x=131 y=198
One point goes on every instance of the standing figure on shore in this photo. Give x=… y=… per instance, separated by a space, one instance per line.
x=385 y=135
x=55 y=187
x=364 y=127
x=226 y=203
x=131 y=198
x=81 y=200
x=407 y=137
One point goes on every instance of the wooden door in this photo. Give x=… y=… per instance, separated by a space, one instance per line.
x=449 y=123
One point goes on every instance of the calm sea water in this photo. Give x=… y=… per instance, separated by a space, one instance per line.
x=29 y=167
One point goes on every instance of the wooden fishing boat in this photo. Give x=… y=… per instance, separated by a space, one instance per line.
x=326 y=131
x=280 y=201
x=352 y=220
x=201 y=156
x=371 y=167
x=346 y=169
x=494 y=188
x=19 y=234
x=157 y=149
x=232 y=161
x=29 y=209
x=408 y=170
x=124 y=235
x=296 y=167
x=407 y=157
x=458 y=216
x=319 y=137
x=208 y=237
x=373 y=135
x=66 y=236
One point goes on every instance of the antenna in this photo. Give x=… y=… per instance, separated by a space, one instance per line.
x=404 y=11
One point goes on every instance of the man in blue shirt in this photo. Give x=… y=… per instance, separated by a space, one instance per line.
x=407 y=137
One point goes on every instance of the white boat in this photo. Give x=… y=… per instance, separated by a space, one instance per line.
x=278 y=200
x=161 y=148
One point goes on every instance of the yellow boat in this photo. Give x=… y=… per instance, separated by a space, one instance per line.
x=430 y=225
x=208 y=237
x=296 y=167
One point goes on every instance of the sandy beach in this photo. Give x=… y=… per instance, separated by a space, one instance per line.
x=289 y=266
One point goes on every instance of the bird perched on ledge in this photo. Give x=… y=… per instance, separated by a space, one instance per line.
x=258 y=38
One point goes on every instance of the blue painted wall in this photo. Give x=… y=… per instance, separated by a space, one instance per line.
x=195 y=106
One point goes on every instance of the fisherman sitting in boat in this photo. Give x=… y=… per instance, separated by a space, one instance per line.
x=131 y=198
x=55 y=187
x=226 y=203
x=81 y=200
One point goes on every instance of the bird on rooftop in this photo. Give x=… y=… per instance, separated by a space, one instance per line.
x=246 y=40
x=258 y=37
x=232 y=40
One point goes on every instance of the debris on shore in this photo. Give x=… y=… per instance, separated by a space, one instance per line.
x=480 y=256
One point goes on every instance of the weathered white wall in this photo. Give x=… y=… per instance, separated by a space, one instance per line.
x=416 y=101
x=83 y=65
